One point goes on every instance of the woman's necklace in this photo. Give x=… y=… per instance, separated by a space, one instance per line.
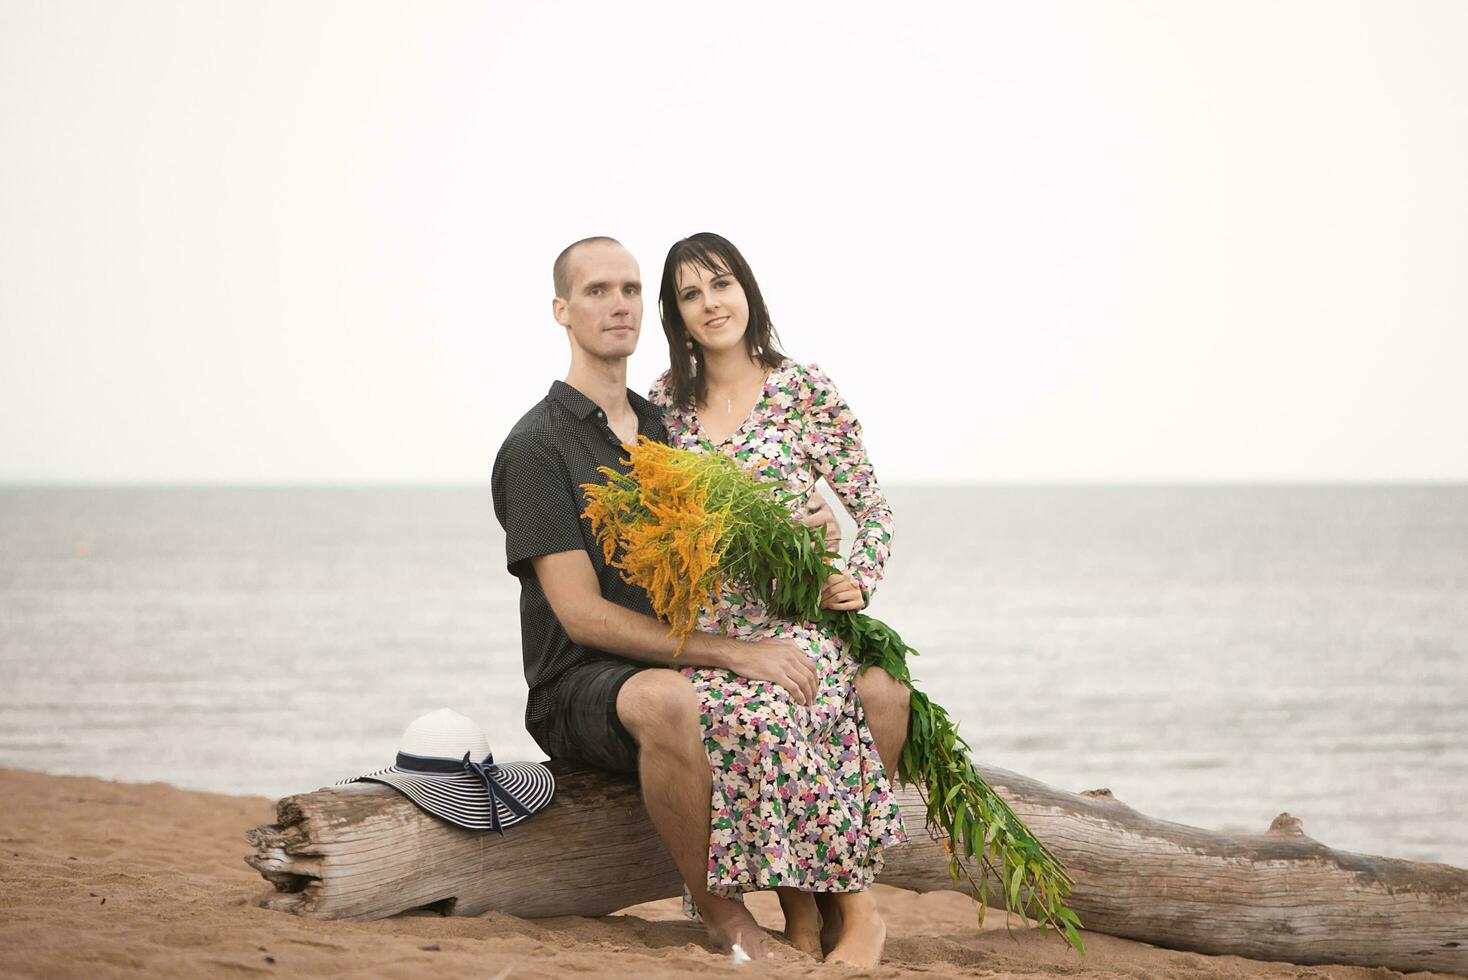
x=729 y=399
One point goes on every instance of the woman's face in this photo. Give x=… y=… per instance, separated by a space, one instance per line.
x=713 y=307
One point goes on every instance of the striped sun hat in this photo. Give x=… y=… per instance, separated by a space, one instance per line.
x=444 y=766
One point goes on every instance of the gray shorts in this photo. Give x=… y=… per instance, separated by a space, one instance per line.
x=583 y=726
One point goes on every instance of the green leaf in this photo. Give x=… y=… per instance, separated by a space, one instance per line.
x=1074 y=938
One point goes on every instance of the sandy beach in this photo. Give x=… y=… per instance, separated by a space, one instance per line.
x=106 y=879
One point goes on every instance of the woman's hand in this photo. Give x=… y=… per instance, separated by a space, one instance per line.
x=842 y=592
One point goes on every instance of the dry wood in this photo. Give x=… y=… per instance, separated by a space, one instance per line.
x=363 y=851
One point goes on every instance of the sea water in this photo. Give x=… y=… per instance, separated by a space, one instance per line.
x=1213 y=655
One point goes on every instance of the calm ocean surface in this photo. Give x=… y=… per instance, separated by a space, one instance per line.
x=1213 y=655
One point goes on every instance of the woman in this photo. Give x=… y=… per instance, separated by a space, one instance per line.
x=801 y=802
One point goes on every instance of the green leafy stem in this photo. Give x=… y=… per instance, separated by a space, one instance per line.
x=973 y=821
x=785 y=564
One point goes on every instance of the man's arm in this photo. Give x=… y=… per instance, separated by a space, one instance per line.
x=571 y=587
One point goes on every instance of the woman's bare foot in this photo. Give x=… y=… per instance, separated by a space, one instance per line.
x=802 y=920
x=729 y=924
x=863 y=933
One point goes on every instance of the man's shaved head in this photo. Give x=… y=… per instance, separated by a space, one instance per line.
x=561 y=271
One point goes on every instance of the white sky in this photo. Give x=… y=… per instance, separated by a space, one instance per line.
x=284 y=242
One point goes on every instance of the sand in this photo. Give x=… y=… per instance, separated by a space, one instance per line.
x=101 y=879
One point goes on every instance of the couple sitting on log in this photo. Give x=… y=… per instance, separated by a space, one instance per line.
x=759 y=745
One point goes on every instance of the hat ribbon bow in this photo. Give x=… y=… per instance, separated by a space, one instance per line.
x=486 y=771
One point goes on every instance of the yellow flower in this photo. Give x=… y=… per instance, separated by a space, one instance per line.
x=655 y=526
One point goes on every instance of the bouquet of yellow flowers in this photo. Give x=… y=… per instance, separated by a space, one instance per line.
x=680 y=524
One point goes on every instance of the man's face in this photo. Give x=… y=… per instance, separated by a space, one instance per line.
x=603 y=313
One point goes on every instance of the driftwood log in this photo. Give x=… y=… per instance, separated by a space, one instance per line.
x=363 y=851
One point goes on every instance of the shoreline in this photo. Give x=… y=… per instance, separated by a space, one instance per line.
x=106 y=879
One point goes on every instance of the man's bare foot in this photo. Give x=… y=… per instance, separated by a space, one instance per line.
x=830 y=910
x=802 y=921
x=863 y=933
x=729 y=924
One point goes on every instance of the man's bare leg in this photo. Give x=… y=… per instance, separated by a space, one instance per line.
x=660 y=709
x=886 y=703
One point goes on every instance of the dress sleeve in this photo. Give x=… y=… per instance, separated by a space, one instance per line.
x=833 y=440
x=661 y=393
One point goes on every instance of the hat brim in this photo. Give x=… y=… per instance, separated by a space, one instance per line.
x=460 y=797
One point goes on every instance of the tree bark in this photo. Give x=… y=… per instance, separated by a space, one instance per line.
x=363 y=851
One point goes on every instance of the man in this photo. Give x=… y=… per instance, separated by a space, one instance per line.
x=603 y=689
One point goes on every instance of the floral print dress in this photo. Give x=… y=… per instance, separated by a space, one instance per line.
x=800 y=797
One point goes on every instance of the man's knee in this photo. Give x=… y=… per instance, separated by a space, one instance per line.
x=658 y=703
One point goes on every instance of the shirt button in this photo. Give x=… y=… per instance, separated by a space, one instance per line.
x=601 y=415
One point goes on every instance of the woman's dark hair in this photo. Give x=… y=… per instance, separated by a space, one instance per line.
x=719 y=256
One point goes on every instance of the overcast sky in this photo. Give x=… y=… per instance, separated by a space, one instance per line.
x=311 y=242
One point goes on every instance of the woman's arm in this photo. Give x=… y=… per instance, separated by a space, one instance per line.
x=832 y=437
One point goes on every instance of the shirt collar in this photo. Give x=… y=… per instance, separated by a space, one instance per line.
x=584 y=408
x=574 y=401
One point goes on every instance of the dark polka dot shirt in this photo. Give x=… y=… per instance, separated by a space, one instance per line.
x=551 y=451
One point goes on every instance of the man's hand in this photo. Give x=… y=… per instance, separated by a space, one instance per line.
x=842 y=592
x=819 y=513
x=575 y=597
x=779 y=660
